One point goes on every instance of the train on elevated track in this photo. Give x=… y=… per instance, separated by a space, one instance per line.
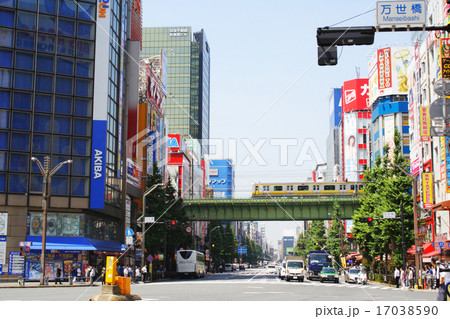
x=306 y=189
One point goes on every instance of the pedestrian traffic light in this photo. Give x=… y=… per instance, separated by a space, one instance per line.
x=327 y=36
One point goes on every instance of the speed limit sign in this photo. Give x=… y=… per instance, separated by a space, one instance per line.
x=188 y=229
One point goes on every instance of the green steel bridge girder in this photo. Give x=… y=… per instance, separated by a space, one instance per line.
x=269 y=209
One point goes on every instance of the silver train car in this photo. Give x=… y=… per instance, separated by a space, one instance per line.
x=305 y=189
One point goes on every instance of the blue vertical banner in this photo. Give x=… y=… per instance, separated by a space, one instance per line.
x=98 y=157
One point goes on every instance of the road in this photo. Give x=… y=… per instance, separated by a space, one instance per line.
x=248 y=285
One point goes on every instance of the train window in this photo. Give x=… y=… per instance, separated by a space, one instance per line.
x=303 y=188
x=265 y=188
x=329 y=187
x=278 y=188
x=256 y=188
x=290 y=188
x=340 y=187
x=352 y=187
x=361 y=186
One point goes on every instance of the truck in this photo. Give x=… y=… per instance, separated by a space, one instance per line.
x=315 y=261
x=295 y=268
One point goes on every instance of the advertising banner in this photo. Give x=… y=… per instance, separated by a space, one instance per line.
x=2 y=250
x=134 y=173
x=154 y=90
x=445 y=162
x=445 y=58
x=388 y=75
x=3 y=224
x=97 y=192
x=355 y=95
x=350 y=147
x=425 y=123
x=427 y=190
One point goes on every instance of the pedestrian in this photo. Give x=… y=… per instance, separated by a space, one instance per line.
x=103 y=275
x=407 y=278
x=87 y=273
x=397 y=277
x=402 y=278
x=92 y=276
x=137 y=275
x=126 y=272
x=443 y=275
x=58 y=275
x=78 y=273
x=74 y=275
x=144 y=273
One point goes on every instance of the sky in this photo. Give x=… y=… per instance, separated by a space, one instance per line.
x=269 y=98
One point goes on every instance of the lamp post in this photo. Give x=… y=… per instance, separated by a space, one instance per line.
x=151 y=189
x=47 y=173
x=416 y=227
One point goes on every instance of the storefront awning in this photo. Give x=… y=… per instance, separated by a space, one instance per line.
x=433 y=253
x=427 y=248
x=74 y=243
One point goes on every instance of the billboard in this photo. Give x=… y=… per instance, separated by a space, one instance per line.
x=388 y=72
x=98 y=158
x=425 y=123
x=134 y=173
x=355 y=95
x=445 y=58
x=154 y=90
x=427 y=190
x=335 y=108
x=350 y=147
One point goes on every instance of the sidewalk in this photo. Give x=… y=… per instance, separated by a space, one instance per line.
x=35 y=284
x=400 y=288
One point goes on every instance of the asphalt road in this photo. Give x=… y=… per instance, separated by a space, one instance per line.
x=248 y=285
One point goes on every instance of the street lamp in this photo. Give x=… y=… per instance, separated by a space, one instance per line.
x=151 y=189
x=47 y=174
x=416 y=227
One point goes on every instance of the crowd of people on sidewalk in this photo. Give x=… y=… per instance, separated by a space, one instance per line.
x=434 y=276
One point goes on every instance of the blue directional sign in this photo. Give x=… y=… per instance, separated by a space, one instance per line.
x=124 y=247
x=242 y=250
x=1 y=270
x=129 y=232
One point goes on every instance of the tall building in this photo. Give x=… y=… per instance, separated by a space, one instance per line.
x=355 y=124
x=61 y=96
x=188 y=79
x=333 y=150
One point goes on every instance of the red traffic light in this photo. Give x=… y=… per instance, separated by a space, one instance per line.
x=369 y=219
x=173 y=223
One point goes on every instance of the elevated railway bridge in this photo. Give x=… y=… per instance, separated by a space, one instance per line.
x=270 y=209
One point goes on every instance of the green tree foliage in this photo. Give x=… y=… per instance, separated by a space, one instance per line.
x=334 y=242
x=386 y=188
x=163 y=204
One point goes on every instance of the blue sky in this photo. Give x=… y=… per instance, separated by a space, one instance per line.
x=266 y=86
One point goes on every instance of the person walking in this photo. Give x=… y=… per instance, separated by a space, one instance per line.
x=78 y=273
x=397 y=277
x=92 y=276
x=126 y=272
x=137 y=275
x=402 y=278
x=443 y=275
x=87 y=273
x=144 y=273
x=58 y=275
x=103 y=275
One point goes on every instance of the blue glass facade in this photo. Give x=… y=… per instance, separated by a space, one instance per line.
x=46 y=90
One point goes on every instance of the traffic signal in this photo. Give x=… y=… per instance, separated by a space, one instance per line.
x=345 y=36
x=171 y=224
x=327 y=55
x=368 y=220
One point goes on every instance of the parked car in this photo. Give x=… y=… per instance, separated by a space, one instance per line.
x=228 y=267
x=329 y=274
x=351 y=275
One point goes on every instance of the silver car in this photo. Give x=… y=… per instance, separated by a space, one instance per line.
x=352 y=275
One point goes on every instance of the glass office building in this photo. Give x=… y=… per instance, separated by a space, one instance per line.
x=188 y=80
x=61 y=88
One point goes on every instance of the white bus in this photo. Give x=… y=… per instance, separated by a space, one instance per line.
x=191 y=263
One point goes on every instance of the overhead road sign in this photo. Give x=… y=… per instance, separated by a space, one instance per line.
x=412 y=13
x=389 y=215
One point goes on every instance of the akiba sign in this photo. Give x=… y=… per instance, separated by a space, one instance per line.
x=97 y=198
